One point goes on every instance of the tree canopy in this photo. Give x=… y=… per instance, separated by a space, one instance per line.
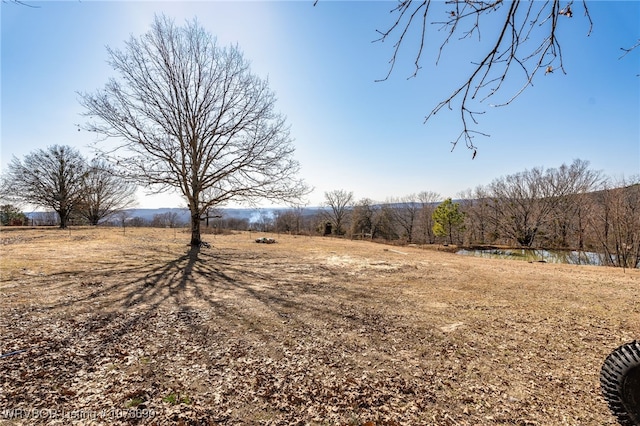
x=51 y=178
x=338 y=204
x=105 y=192
x=189 y=115
x=448 y=219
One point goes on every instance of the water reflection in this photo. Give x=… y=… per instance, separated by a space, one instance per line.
x=550 y=256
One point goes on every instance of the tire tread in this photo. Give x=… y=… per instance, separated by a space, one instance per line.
x=622 y=363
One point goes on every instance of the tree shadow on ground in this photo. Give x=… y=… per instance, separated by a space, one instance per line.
x=213 y=306
x=235 y=286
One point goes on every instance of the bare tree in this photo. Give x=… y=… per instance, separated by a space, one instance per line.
x=572 y=183
x=105 y=192
x=383 y=224
x=373 y=220
x=524 y=203
x=362 y=220
x=405 y=211
x=169 y=219
x=531 y=202
x=339 y=203
x=236 y=223
x=287 y=221
x=136 y=222
x=122 y=217
x=290 y=221
x=265 y=222
x=190 y=116
x=523 y=39
x=427 y=200
x=617 y=222
x=476 y=206
x=51 y=178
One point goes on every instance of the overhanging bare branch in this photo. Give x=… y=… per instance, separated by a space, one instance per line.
x=525 y=42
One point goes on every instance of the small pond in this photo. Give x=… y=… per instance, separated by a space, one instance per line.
x=530 y=255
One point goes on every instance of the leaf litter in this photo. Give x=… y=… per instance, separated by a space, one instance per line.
x=307 y=331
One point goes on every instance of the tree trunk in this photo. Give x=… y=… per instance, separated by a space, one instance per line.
x=64 y=218
x=195 y=228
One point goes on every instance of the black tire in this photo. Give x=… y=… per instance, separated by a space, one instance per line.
x=620 y=383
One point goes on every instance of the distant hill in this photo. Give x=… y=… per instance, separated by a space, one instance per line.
x=251 y=214
x=148 y=214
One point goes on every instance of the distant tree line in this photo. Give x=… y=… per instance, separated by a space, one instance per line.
x=571 y=207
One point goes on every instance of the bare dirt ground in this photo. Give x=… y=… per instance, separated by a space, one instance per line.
x=101 y=327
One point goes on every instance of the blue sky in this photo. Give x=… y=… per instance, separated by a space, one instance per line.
x=350 y=131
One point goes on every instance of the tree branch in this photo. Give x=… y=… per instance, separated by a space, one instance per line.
x=525 y=39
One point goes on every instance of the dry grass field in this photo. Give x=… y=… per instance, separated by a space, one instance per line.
x=104 y=327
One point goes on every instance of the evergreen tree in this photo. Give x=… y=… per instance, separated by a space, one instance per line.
x=447 y=219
